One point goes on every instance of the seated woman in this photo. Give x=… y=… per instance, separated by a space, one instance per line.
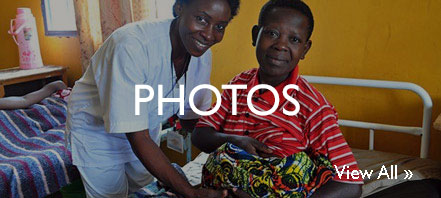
x=21 y=102
x=277 y=155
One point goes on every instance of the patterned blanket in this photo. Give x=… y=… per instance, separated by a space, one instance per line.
x=33 y=159
x=297 y=175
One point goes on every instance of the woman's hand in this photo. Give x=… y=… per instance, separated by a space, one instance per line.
x=208 y=140
x=251 y=146
x=56 y=85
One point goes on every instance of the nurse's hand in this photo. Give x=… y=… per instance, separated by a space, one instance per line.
x=208 y=193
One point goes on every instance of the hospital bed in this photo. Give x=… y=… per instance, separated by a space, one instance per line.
x=418 y=169
x=34 y=161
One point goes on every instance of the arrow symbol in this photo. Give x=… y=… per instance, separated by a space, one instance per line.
x=409 y=174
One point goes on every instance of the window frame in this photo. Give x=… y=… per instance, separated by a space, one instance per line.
x=48 y=32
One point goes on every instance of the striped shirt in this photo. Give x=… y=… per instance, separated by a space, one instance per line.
x=314 y=127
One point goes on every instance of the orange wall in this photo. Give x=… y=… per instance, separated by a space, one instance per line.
x=395 y=40
x=54 y=50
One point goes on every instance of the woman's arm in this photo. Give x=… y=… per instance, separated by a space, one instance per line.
x=208 y=140
x=20 y=102
x=188 y=124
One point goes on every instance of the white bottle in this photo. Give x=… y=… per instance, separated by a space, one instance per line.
x=25 y=36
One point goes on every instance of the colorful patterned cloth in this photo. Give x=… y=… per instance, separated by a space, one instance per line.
x=63 y=94
x=298 y=175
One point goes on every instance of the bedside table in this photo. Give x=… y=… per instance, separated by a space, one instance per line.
x=12 y=76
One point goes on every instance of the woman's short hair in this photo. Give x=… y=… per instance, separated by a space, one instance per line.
x=234 y=6
x=297 y=5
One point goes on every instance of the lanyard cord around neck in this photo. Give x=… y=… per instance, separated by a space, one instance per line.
x=185 y=69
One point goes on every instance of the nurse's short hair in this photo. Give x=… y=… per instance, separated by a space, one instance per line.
x=234 y=6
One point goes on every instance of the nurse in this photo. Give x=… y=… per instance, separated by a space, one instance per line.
x=111 y=146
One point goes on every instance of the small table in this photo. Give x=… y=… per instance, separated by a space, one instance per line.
x=16 y=75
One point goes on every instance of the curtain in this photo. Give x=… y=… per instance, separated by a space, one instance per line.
x=97 y=19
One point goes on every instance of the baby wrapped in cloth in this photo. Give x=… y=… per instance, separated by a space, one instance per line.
x=297 y=175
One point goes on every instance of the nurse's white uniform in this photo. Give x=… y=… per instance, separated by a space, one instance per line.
x=102 y=105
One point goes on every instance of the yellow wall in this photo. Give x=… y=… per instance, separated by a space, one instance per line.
x=383 y=39
x=54 y=50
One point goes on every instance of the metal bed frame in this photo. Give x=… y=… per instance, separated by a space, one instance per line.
x=423 y=131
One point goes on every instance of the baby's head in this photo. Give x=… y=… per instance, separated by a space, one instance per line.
x=282 y=36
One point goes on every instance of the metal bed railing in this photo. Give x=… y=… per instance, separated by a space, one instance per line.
x=423 y=131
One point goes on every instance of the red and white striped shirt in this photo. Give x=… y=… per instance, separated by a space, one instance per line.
x=314 y=127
